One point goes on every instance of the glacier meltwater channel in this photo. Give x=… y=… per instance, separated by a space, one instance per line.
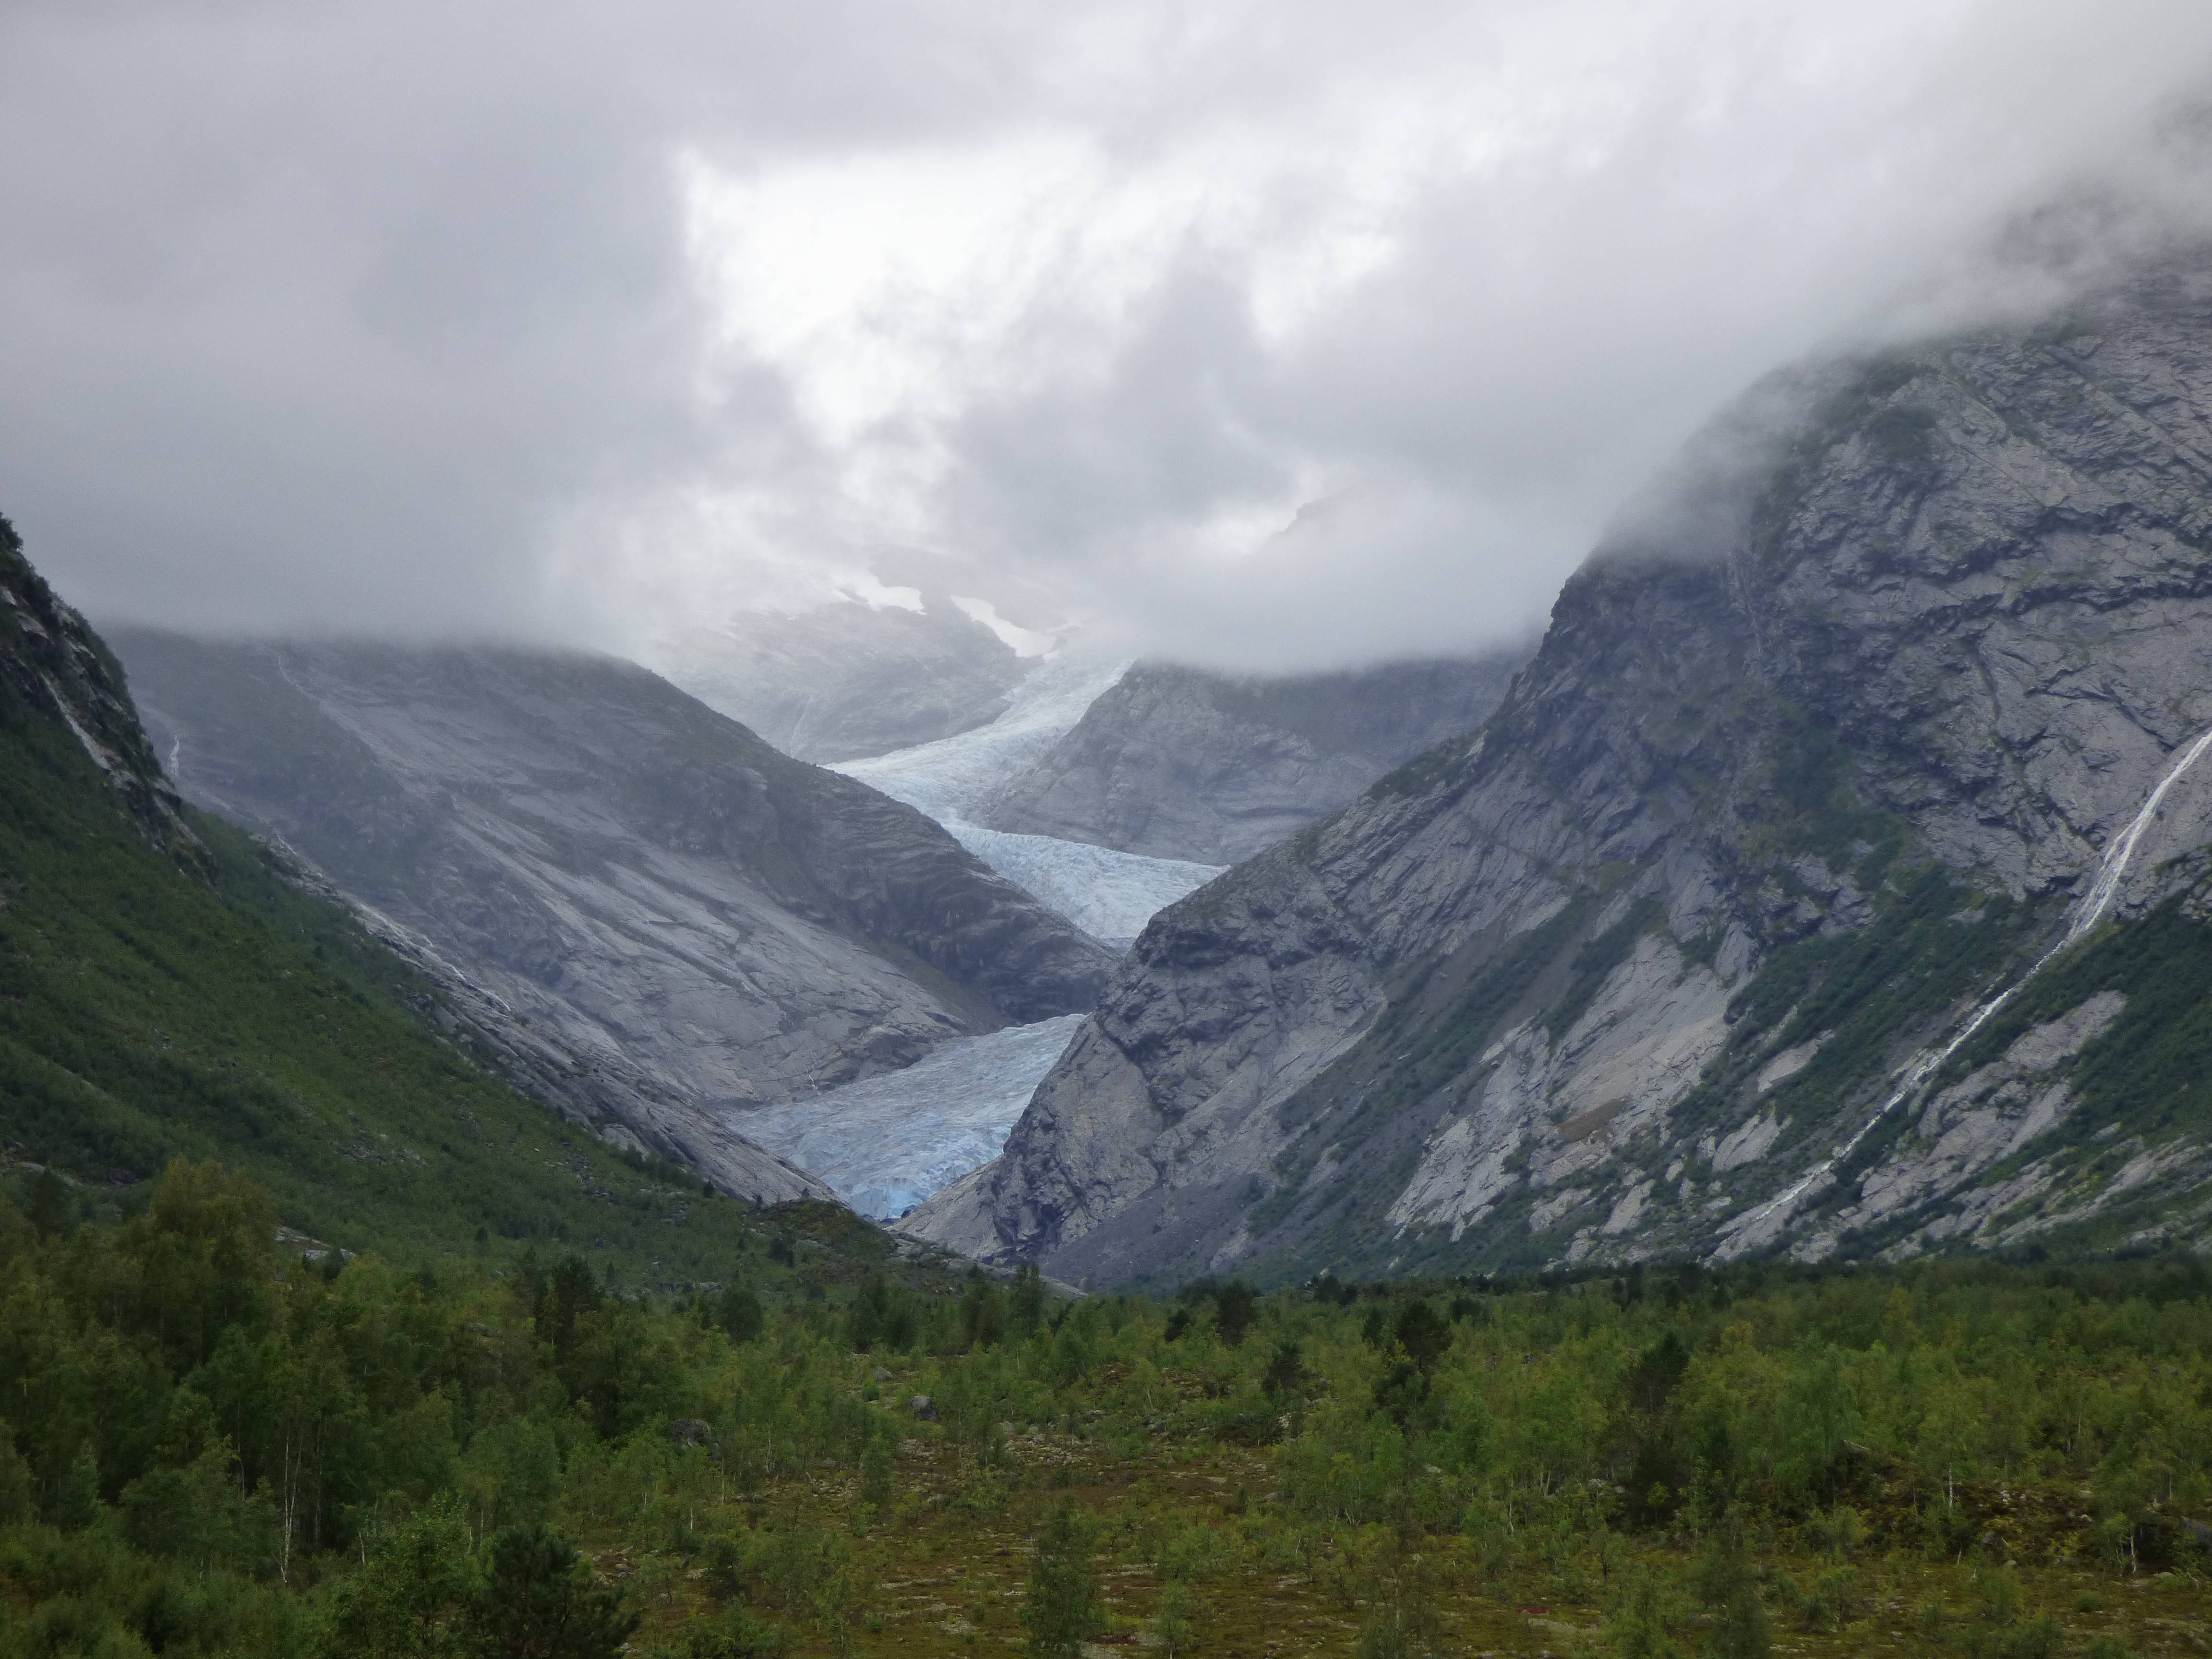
x=1759 y=1223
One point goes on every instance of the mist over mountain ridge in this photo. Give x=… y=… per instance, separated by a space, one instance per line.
x=847 y=679
x=622 y=867
x=1763 y=816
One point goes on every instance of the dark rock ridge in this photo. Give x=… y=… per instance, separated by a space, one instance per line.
x=641 y=881
x=57 y=663
x=1180 y=763
x=848 y=680
x=1814 y=755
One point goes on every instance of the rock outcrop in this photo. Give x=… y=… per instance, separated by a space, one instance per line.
x=57 y=666
x=603 y=1093
x=56 y=673
x=641 y=881
x=1815 y=754
x=1180 y=763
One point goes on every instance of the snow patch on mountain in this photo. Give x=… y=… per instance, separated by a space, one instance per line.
x=886 y=1143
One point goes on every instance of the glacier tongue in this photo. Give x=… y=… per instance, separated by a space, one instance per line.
x=1109 y=895
x=953 y=776
x=886 y=1143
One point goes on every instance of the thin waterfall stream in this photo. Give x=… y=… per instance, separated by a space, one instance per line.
x=2089 y=913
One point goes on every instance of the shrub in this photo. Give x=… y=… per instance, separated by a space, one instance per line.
x=1060 y=1604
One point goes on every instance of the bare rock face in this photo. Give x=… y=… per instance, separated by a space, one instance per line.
x=1181 y=764
x=619 y=1101
x=1812 y=760
x=640 y=881
x=58 y=664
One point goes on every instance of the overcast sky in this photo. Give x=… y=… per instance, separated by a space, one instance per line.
x=1265 y=332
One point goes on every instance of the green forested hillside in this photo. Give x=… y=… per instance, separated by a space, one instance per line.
x=164 y=992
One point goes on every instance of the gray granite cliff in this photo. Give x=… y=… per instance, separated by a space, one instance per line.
x=1816 y=754
x=1181 y=764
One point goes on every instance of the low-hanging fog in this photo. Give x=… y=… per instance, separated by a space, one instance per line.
x=1281 y=334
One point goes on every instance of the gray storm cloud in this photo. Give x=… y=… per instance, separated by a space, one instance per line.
x=1282 y=334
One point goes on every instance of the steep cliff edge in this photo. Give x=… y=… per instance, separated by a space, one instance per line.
x=56 y=666
x=1181 y=764
x=1814 y=756
x=629 y=872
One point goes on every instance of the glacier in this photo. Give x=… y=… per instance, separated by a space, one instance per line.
x=886 y=1143
x=1109 y=895
x=953 y=776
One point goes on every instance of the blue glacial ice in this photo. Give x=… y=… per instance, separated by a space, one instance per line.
x=953 y=776
x=1109 y=895
x=886 y=1143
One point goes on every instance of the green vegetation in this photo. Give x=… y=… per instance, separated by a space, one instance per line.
x=1866 y=996
x=1059 y=1604
x=2149 y=1073
x=1590 y=966
x=151 y=1010
x=1815 y=808
x=211 y=1446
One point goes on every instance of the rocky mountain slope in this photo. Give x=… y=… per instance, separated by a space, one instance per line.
x=168 y=990
x=1181 y=764
x=636 y=877
x=1697 y=947
x=620 y=1103
x=847 y=679
x=57 y=670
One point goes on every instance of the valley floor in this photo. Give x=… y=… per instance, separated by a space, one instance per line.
x=215 y=1446
x=941 y=1569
